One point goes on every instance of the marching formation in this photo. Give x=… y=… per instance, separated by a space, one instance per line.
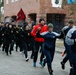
x=39 y=37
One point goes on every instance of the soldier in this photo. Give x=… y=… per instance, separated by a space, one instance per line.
x=18 y=38
x=16 y=34
x=0 y=34
x=21 y=35
x=13 y=27
x=9 y=37
x=4 y=36
x=29 y=39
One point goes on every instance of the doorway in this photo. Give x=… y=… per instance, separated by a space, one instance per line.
x=57 y=20
x=13 y=18
x=32 y=16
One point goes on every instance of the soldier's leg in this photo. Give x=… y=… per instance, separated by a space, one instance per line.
x=12 y=45
x=7 y=48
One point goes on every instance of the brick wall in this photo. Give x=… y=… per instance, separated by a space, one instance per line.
x=26 y=5
x=41 y=7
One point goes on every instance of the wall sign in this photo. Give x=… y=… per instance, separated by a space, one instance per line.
x=56 y=3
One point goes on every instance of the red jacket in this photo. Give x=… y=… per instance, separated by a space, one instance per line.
x=35 y=29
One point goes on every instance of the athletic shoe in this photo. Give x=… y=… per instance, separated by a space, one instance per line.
x=41 y=64
x=34 y=64
x=27 y=59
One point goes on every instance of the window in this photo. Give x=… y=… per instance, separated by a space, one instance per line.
x=16 y=0
x=12 y=1
x=6 y=1
x=71 y=1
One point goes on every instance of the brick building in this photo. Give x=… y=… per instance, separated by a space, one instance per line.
x=36 y=9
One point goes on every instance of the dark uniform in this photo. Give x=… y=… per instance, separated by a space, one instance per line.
x=13 y=41
x=8 y=39
x=16 y=35
x=0 y=35
x=4 y=37
x=29 y=40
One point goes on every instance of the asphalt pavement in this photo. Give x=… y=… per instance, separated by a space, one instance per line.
x=16 y=64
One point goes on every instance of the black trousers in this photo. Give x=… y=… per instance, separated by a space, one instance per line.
x=4 y=43
x=36 y=50
x=19 y=43
x=0 y=41
x=12 y=45
x=31 y=47
x=8 y=45
x=23 y=47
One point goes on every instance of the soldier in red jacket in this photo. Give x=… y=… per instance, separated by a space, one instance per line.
x=38 y=41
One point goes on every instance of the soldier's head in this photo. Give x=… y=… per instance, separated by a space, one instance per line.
x=27 y=27
x=13 y=22
x=10 y=25
x=7 y=24
x=2 y=23
x=42 y=21
x=71 y=22
x=50 y=27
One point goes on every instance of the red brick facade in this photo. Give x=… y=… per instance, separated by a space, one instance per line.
x=39 y=7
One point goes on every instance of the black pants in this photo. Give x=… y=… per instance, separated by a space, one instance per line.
x=36 y=49
x=19 y=43
x=4 y=44
x=23 y=46
x=25 y=49
x=0 y=41
x=31 y=47
x=12 y=45
x=8 y=45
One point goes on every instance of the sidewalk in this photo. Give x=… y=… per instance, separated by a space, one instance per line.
x=59 y=43
x=59 y=46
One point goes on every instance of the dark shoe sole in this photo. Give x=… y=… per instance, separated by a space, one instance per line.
x=62 y=65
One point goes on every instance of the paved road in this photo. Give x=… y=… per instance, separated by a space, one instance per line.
x=16 y=65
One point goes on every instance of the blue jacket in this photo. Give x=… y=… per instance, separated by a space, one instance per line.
x=49 y=39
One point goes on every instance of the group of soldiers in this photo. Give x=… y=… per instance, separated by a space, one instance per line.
x=11 y=34
x=41 y=37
